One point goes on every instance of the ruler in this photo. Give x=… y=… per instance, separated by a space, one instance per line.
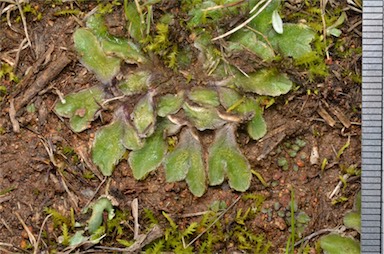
x=372 y=206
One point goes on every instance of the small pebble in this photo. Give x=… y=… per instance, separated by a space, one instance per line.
x=276 y=176
x=280 y=223
x=314 y=158
x=300 y=163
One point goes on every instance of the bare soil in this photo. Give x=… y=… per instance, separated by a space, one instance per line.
x=35 y=182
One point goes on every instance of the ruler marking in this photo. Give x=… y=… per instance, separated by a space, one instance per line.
x=372 y=128
x=371 y=239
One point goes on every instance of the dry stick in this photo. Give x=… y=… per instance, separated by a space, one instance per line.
x=32 y=239
x=7 y=10
x=48 y=147
x=187 y=215
x=139 y=11
x=317 y=233
x=8 y=15
x=112 y=99
x=2 y=250
x=1 y=8
x=244 y=23
x=29 y=77
x=88 y=163
x=96 y=191
x=262 y=35
x=7 y=226
x=40 y=232
x=52 y=70
x=6 y=58
x=7 y=1
x=213 y=223
x=24 y=23
x=70 y=249
x=338 y=186
x=5 y=198
x=135 y=214
x=151 y=236
x=12 y=116
x=323 y=3
x=257 y=6
x=71 y=196
x=358 y=23
x=13 y=246
x=217 y=7
x=21 y=47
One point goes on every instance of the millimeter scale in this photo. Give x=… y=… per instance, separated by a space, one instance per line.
x=372 y=206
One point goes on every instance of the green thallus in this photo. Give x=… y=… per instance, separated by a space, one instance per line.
x=221 y=100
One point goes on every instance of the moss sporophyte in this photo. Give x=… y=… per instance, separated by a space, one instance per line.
x=183 y=83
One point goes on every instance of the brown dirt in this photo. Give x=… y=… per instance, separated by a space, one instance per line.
x=37 y=183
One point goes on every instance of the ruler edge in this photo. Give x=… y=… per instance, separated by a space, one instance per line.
x=372 y=14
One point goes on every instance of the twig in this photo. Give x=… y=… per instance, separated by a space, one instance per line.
x=70 y=249
x=358 y=23
x=60 y=94
x=338 y=186
x=32 y=239
x=24 y=23
x=12 y=246
x=2 y=250
x=6 y=58
x=113 y=99
x=72 y=197
x=9 y=18
x=244 y=23
x=145 y=239
x=135 y=214
x=323 y=3
x=213 y=223
x=21 y=47
x=187 y=215
x=320 y=232
x=12 y=116
x=4 y=198
x=217 y=7
x=7 y=226
x=96 y=191
x=7 y=1
x=83 y=155
x=40 y=232
x=48 y=148
x=138 y=7
x=262 y=35
x=46 y=76
x=257 y=6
